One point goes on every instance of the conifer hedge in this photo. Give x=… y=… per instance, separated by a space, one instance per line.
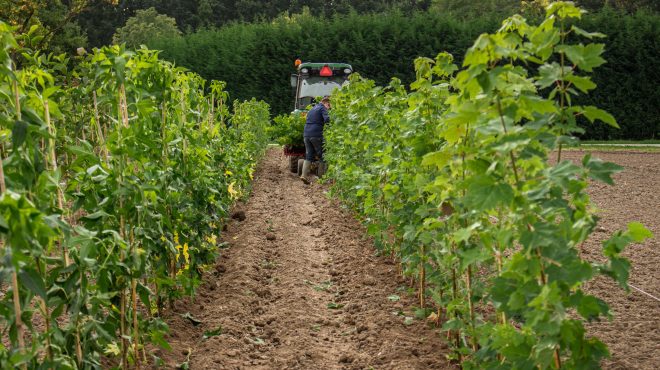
x=256 y=59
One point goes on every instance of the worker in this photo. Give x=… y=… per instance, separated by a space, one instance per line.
x=317 y=118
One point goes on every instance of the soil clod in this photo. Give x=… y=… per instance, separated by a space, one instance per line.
x=238 y=215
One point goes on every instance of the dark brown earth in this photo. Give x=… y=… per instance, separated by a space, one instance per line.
x=296 y=252
x=294 y=257
x=633 y=336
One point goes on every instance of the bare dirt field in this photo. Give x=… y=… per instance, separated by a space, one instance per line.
x=633 y=336
x=300 y=287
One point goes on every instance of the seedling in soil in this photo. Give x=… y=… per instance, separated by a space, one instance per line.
x=268 y=264
x=394 y=298
x=335 y=306
x=212 y=333
x=270 y=225
x=320 y=287
x=258 y=341
x=423 y=313
x=190 y=318
x=316 y=327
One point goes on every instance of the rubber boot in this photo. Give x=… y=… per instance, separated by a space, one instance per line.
x=323 y=167
x=305 y=171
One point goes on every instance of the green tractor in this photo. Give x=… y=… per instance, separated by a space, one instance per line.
x=310 y=81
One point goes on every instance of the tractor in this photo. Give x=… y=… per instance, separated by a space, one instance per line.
x=310 y=81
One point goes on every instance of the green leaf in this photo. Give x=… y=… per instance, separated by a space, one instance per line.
x=486 y=81
x=593 y=113
x=584 y=84
x=613 y=246
x=589 y=35
x=591 y=307
x=3 y=223
x=423 y=313
x=158 y=338
x=212 y=333
x=258 y=341
x=620 y=269
x=564 y=9
x=600 y=170
x=473 y=255
x=549 y=73
x=33 y=281
x=96 y=215
x=483 y=193
x=144 y=292
x=637 y=232
x=19 y=133
x=335 y=306
x=437 y=159
x=394 y=298
x=584 y=57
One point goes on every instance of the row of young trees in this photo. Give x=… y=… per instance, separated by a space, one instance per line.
x=462 y=180
x=115 y=179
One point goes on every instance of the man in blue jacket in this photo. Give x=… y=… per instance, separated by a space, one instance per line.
x=317 y=117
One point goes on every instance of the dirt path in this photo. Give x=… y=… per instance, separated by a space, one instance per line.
x=297 y=253
x=300 y=288
x=633 y=336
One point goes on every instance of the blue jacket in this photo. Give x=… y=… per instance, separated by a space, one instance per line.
x=317 y=117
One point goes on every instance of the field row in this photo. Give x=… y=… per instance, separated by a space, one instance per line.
x=116 y=178
x=454 y=178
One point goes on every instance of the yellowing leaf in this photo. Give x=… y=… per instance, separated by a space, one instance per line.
x=112 y=349
x=230 y=189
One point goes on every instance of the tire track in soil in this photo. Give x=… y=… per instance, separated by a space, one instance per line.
x=294 y=254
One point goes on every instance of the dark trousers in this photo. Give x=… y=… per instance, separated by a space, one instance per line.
x=313 y=148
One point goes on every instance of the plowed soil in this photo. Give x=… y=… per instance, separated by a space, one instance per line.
x=633 y=336
x=300 y=287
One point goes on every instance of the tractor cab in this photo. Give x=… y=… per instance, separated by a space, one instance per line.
x=312 y=80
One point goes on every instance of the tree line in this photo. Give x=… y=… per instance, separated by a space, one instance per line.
x=256 y=59
x=251 y=43
x=70 y=24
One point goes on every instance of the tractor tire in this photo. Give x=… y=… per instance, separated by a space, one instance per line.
x=300 y=166
x=293 y=164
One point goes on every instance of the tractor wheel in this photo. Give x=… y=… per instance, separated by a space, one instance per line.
x=293 y=164
x=300 y=166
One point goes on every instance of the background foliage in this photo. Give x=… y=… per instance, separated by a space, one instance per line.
x=256 y=58
x=379 y=37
